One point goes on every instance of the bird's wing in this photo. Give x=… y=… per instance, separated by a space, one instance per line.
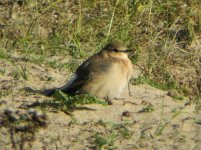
x=74 y=83
x=83 y=73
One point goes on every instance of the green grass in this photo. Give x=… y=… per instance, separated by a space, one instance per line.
x=108 y=142
x=113 y=131
x=148 y=108
x=198 y=104
x=167 y=86
x=165 y=122
x=68 y=103
x=4 y=93
x=156 y=84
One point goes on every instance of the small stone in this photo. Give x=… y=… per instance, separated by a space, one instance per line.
x=109 y=102
x=126 y=114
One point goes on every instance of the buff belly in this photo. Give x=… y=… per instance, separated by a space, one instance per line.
x=110 y=84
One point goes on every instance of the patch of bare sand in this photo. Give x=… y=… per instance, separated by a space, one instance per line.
x=169 y=124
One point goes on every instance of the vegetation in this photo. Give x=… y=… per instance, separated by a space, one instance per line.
x=112 y=132
x=65 y=102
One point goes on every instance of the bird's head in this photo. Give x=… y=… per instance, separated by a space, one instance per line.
x=116 y=49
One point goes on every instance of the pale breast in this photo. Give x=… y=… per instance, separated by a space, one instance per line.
x=110 y=84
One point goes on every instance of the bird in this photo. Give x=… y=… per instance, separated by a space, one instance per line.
x=104 y=75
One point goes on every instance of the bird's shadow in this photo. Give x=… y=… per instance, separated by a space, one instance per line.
x=56 y=107
x=64 y=102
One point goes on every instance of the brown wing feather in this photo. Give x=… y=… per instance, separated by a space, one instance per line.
x=94 y=64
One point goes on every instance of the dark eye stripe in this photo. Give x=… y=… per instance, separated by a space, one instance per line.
x=116 y=50
x=124 y=51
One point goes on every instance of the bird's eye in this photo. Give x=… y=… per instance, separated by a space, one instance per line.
x=116 y=50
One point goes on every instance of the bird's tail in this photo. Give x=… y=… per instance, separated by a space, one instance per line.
x=67 y=88
x=48 y=92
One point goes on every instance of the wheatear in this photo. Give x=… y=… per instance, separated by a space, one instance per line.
x=104 y=75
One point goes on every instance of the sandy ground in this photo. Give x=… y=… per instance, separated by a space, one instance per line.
x=169 y=124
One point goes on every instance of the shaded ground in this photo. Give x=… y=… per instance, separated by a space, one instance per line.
x=149 y=119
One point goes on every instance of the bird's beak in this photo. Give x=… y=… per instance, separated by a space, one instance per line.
x=126 y=51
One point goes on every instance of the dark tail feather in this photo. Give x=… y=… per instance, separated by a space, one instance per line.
x=48 y=92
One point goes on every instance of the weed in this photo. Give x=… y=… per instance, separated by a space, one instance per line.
x=4 y=93
x=4 y=55
x=72 y=65
x=180 y=97
x=108 y=142
x=123 y=130
x=2 y=71
x=156 y=84
x=113 y=132
x=198 y=104
x=66 y=103
x=148 y=108
x=20 y=72
x=175 y=112
x=100 y=141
